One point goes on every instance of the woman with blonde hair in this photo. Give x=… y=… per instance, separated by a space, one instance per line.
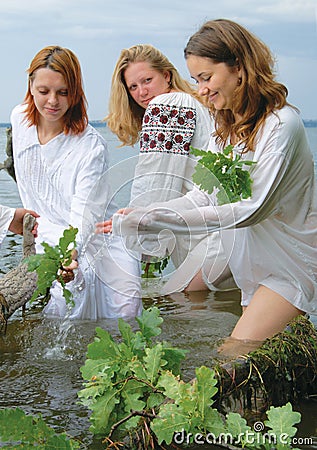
x=152 y=104
x=274 y=254
x=60 y=165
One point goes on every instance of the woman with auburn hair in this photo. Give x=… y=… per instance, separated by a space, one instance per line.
x=60 y=164
x=151 y=103
x=273 y=234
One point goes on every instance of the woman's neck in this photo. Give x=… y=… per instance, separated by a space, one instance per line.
x=46 y=132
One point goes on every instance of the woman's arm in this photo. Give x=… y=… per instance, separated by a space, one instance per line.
x=272 y=157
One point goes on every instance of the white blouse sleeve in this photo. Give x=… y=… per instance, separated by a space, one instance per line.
x=194 y=212
x=91 y=196
x=6 y=216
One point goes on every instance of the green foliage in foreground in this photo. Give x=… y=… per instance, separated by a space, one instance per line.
x=136 y=383
x=21 y=431
x=223 y=172
x=123 y=376
x=48 y=264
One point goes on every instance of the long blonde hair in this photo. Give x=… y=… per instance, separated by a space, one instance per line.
x=258 y=94
x=125 y=115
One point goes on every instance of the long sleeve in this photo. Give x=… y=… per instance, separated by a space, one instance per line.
x=6 y=216
x=171 y=124
x=275 y=157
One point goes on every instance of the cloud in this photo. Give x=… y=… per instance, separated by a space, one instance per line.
x=97 y=30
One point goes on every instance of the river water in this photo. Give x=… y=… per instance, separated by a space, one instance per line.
x=40 y=358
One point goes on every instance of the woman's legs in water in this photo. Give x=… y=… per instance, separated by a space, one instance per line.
x=267 y=314
x=197 y=284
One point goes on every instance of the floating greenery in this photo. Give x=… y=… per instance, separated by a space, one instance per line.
x=134 y=389
x=223 y=172
x=48 y=265
x=21 y=431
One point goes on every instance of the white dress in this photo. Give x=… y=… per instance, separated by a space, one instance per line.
x=6 y=216
x=271 y=238
x=65 y=181
x=171 y=124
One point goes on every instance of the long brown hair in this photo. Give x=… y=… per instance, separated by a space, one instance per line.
x=65 y=62
x=125 y=115
x=258 y=94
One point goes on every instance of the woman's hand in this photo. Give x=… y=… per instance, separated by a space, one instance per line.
x=67 y=272
x=16 y=226
x=106 y=226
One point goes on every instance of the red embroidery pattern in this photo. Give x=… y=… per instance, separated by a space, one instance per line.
x=168 y=129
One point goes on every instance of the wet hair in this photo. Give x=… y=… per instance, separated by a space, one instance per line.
x=258 y=93
x=125 y=115
x=65 y=62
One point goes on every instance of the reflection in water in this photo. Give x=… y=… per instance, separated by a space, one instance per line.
x=40 y=358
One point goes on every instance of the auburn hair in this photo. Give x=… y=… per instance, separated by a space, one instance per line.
x=65 y=62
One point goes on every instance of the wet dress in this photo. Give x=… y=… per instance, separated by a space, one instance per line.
x=65 y=181
x=270 y=239
x=172 y=123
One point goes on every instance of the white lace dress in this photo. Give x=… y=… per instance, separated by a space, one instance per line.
x=65 y=181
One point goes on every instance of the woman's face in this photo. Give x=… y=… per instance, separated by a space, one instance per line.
x=217 y=81
x=50 y=94
x=145 y=83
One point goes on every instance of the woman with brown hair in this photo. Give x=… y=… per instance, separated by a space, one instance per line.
x=61 y=163
x=271 y=238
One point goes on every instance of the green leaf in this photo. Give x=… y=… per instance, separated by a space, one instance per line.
x=134 y=341
x=103 y=346
x=171 y=385
x=137 y=369
x=68 y=297
x=102 y=409
x=27 y=432
x=237 y=425
x=174 y=356
x=153 y=362
x=171 y=420
x=48 y=264
x=213 y=422
x=93 y=367
x=220 y=171
x=206 y=390
x=282 y=419
x=67 y=242
x=132 y=402
x=51 y=252
x=149 y=322
x=155 y=399
x=205 y=179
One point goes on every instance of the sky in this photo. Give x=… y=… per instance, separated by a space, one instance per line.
x=97 y=30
